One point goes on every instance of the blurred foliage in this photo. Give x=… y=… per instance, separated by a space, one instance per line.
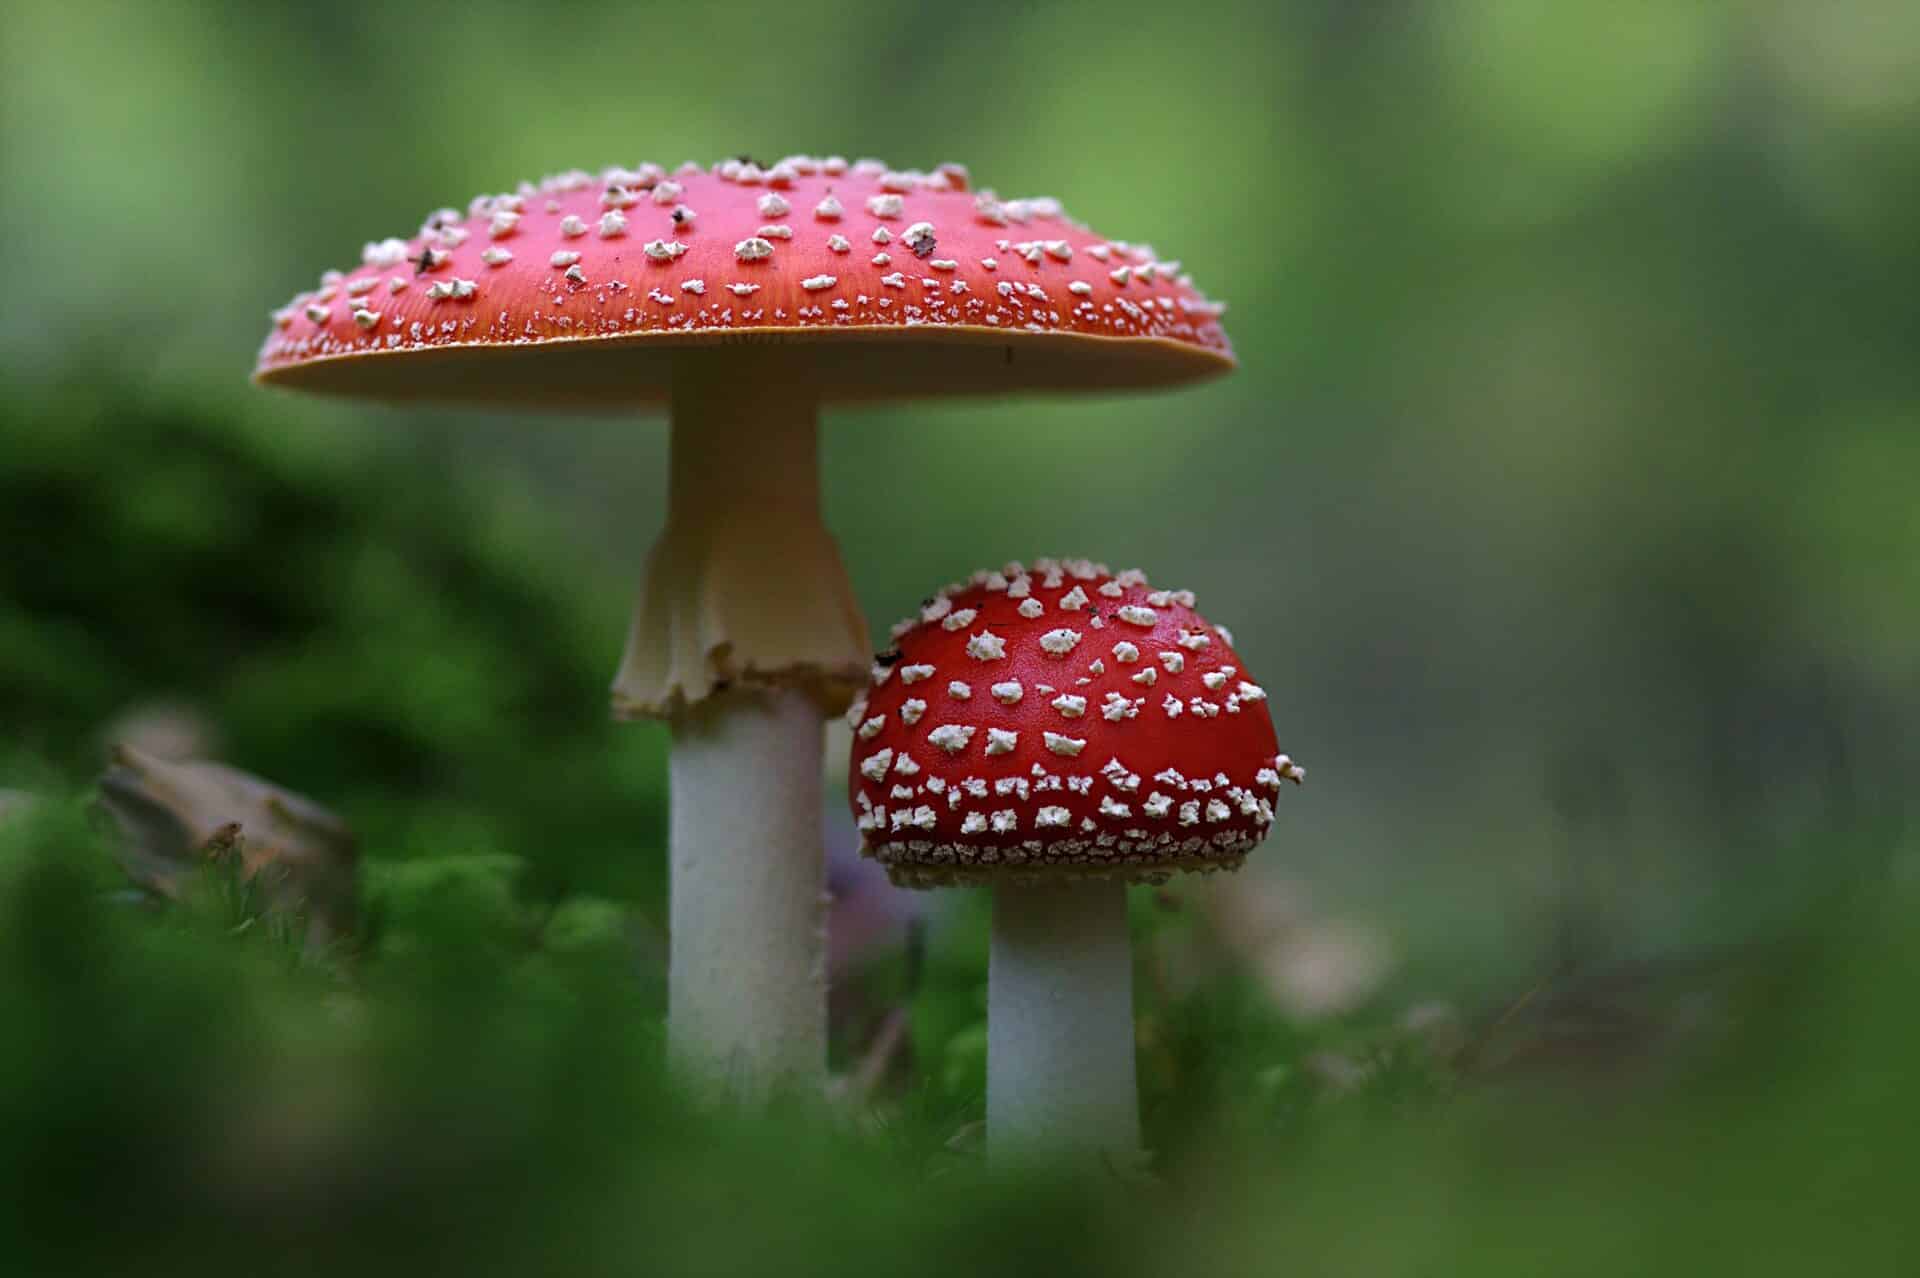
x=347 y=617
x=471 y=1092
x=1564 y=502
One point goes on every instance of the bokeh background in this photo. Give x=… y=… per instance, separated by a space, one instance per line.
x=1564 y=501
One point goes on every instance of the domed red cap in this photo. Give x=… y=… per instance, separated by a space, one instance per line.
x=1061 y=721
x=577 y=288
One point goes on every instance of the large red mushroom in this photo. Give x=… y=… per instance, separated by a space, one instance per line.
x=1058 y=732
x=745 y=296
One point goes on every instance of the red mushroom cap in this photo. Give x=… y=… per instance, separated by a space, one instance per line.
x=1061 y=721
x=577 y=289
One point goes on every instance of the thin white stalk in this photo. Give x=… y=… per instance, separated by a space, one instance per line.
x=1060 y=1067
x=746 y=636
x=745 y=584
x=746 y=985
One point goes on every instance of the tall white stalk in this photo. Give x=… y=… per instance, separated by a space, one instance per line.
x=747 y=985
x=745 y=638
x=1060 y=1067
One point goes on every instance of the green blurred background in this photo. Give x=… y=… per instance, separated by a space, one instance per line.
x=1564 y=502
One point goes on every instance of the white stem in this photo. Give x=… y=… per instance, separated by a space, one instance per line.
x=746 y=986
x=745 y=584
x=1060 y=1069
x=745 y=637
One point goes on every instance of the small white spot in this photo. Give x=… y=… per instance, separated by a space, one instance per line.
x=960 y=620
x=1000 y=741
x=919 y=238
x=1136 y=615
x=951 y=737
x=1193 y=640
x=881 y=235
x=1157 y=805
x=1068 y=746
x=911 y=710
x=1218 y=811
x=563 y=258
x=1052 y=816
x=577 y=275
x=1074 y=600
x=943 y=264
x=1080 y=287
x=895 y=280
x=743 y=290
x=1190 y=812
x=914 y=674
x=828 y=210
x=666 y=192
x=870 y=728
x=613 y=224
x=572 y=227
x=1008 y=693
x=321 y=314
x=839 y=243
x=502 y=223
x=1059 y=643
x=875 y=765
x=814 y=283
x=1146 y=678
x=365 y=318
x=973 y=823
x=1125 y=653
x=986 y=646
x=1120 y=274
x=1252 y=692
x=775 y=232
x=1214 y=680
x=773 y=204
x=1108 y=808
x=959 y=691
x=664 y=250
x=904 y=766
x=885 y=205
x=1070 y=706
x=1005 y=821
x=695 y=287
x=384 y=253
x=883 y=259
x=752 y=249
x=1031 y=607
x=1172 y=706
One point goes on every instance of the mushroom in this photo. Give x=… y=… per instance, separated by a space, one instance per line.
x=745 y=313
x=1056 y=733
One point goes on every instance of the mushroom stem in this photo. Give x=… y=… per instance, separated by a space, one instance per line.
x=745 y=638
x=746 y=985
x=745 y=584
x=1060 y=1068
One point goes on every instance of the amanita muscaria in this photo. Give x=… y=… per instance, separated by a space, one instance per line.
x=745 y=297
x=1058 y=732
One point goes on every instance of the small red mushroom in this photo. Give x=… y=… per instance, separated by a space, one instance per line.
x=745 y=298
x=1058 y=732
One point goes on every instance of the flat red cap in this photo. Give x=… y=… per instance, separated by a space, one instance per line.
x=577 y=289
x=1061 y=721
